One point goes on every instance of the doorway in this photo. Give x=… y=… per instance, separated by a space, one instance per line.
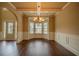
x=10 y=30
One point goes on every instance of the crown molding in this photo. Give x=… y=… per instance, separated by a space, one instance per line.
x=65 y=5
x=12 y=5
x=42 y=9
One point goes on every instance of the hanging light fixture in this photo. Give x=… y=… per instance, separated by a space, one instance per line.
x=38 y=18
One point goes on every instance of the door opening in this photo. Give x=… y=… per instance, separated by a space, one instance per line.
x=10 y=30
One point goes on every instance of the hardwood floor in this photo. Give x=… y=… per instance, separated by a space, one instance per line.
x=33 y=47
x=8 y=48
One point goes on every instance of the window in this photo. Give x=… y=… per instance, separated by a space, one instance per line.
x=10 y=28
x=38 y=28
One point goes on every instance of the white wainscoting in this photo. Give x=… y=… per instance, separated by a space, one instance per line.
x=38 y=36
x=19 y=37
x=25 y=35
x=1 y=35
x=70 y=42
x=49 y=36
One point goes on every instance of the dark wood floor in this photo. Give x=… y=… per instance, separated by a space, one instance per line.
x=33 y=47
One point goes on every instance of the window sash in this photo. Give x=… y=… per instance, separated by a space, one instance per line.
x=10 y=28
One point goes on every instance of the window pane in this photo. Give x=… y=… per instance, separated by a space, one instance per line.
x=38 y=25
x=10 y=28
x=45 y=25
x=38 y=31
x=38 y=28
x=45 y=28
x=31 y=27
x=45 y=31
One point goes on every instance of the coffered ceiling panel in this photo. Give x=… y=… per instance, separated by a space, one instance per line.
x=24 y=5
x=52 y=4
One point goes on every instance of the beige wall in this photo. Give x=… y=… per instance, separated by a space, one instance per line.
x=25 y=23
x=0 y=22
x=25 y=27
x=67 y=28
x=0 y=26
x=51 y=27
x=52 y=23
x=8 y=15
x=67 y=21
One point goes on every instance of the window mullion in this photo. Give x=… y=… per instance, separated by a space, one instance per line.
x=34 y=28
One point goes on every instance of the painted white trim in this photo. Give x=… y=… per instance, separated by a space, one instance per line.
x=51 y=35
x=4 y=29
x=12 y=5
x=65 y=5
x=48 y=29
x=16 y=30
x=20 y=37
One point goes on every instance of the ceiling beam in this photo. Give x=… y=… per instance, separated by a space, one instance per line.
x=12 y=5
x=65 y=5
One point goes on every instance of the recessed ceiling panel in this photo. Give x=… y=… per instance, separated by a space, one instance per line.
x=24 y=5
x=53 y=4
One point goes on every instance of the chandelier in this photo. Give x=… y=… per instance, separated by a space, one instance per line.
x=38 y=18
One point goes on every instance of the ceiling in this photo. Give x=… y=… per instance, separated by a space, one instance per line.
x=25 y=5
x=47 y=8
